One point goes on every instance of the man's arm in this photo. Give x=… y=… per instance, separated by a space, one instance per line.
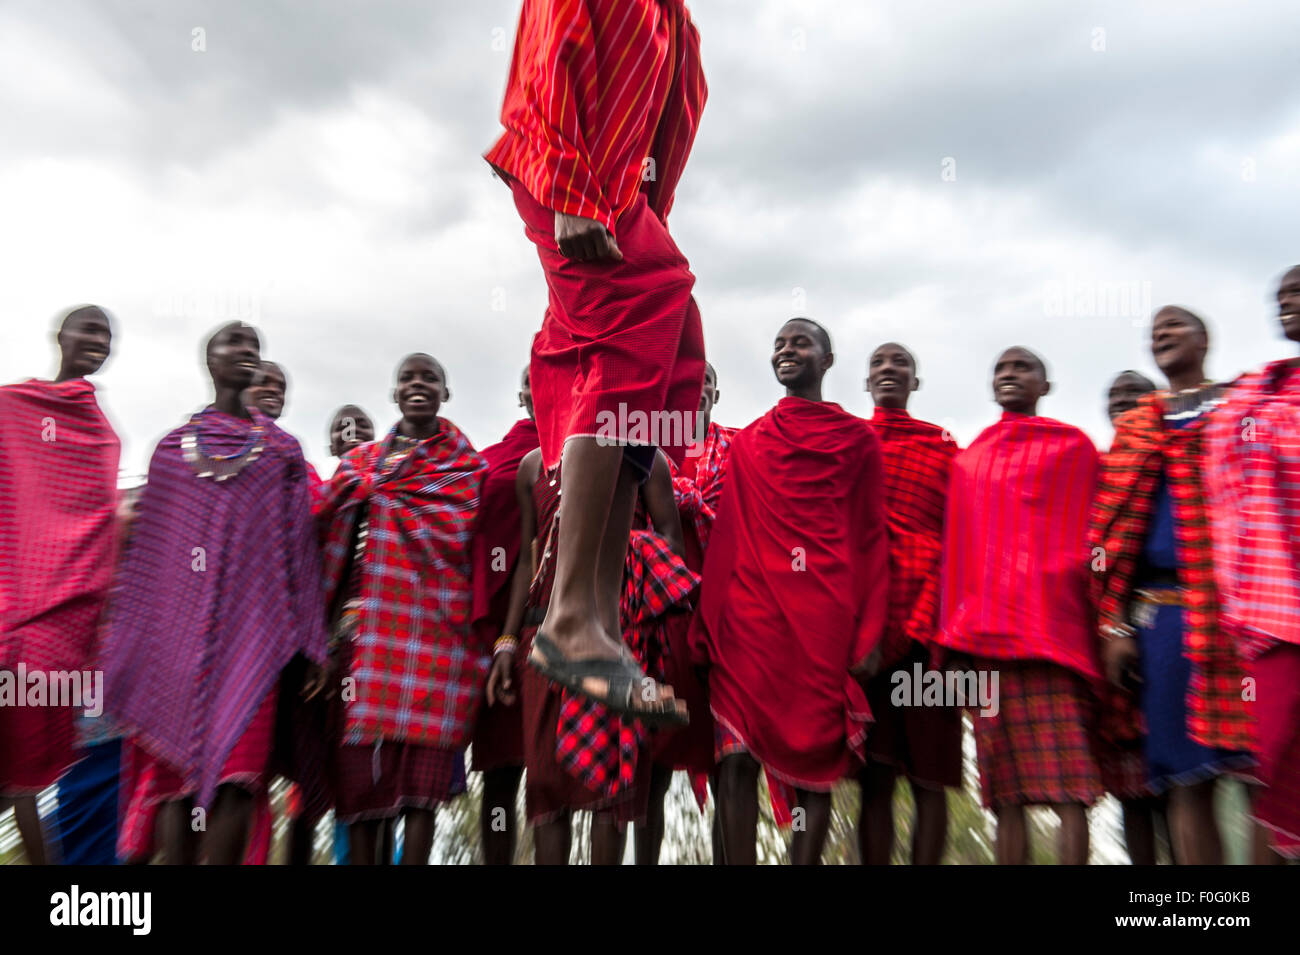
x=501 y=677
x=661 y=504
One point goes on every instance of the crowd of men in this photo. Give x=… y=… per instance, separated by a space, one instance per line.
x=591 y=605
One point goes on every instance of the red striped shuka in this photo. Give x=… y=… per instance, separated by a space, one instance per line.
x=1143 y=450
x=602 y=102
x=601 y=107
x=1015 y=598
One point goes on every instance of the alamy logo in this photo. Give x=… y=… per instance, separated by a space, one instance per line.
x=23 y=687
x=663 y=429
x=74 y=907
x=921 y=687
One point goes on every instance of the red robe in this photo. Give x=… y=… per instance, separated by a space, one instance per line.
x=918 y=465
x=795 y=592
x=601 y=107
x=498 y=731
x=1016 y=557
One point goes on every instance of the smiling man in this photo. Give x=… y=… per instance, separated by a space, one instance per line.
x=1252 y=472
x=922 y=742
x=1125 y=391
x=1015 y=599
x=397 y=521
x=219 y=589
x=58 y=492
x=1160 y=626
x=794 y=599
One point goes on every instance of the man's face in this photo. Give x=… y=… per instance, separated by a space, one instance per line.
x=891 y=376
x=526 y=394
x=1177 y=342
x=709 y=394
x=421 y=385
x=1124 y=393
x=269 y=390
x=798 y=357
x=1018 y=381
x=1288 y=304
x=350 y=428
x=85 y=341
x=236 y=357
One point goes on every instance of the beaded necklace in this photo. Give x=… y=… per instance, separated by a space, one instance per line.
x=220 y=467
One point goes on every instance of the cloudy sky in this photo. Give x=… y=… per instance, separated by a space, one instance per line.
x=959 y=177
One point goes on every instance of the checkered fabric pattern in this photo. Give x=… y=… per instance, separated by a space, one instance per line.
x=918 y=464
x=1038 y=749
x=599 y=749
x=698 y=496
x=418 y=670
x=1252 y=481
x=1143 y=450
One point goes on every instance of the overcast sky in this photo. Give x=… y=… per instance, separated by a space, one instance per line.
x=957 y=176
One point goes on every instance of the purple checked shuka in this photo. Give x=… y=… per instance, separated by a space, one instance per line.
x=220 y=588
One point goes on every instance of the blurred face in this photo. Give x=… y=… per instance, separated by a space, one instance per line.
x=891 y=376
x=235 y=359
x=798 y=357
x=1288 y=304
x=1124 y=393
x=1018 y=381
x=85 y=340
x=269 y=390
x=526 y=394
x=350 y=428
x=421 y=387
x=1177 y=342
x=709 y=395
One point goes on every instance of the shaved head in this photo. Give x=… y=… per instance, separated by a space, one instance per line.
x=823 y=337
x=894 y=345
x=1187 y=315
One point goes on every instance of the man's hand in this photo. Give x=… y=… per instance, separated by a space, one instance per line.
x=1119 y=656
x=584 y=240
x=500 y=685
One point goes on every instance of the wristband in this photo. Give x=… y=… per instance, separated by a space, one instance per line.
x=506 y=643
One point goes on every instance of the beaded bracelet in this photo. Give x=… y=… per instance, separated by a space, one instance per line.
x=506 y=643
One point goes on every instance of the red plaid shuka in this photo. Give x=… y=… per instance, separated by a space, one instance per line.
x=1143 y=450
x=699 y=493
x=918 y=465
x=592 y=744
x=1252 y=477
x=417 y=668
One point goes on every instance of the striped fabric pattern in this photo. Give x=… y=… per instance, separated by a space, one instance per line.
x=1015 y=564
x=698 y=495
x=1252 y=483
x=602 y=101
x=418 y=670
x=918 y=465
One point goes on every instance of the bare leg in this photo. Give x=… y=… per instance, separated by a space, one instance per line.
x=1140 y=830
x=1073 y=846
x=1194 y=829
x=876 y=817
x=606 y=840
x=28 y=818
x=591 y=475
x=613 y=550
x=387 y=840
x=552 y=841
x=497 y=816
x=930 y=834
x=363 y=841
x=807 y=843
x=1013 y=836
x=418 y=840
x=180 y=843
x=227 y=837
x=719 y=856
x=1262 y=851
x=738 y=806
x=648 y=838
x=302 y=839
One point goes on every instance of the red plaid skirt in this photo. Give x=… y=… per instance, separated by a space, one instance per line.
x=1038 y=749
x=37 y=744
x=550 y=790
x=921 y=742
x=1277 y=804
x=1123 y=769
x=148 y=782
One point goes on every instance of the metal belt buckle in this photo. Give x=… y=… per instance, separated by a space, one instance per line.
x=1144 y=613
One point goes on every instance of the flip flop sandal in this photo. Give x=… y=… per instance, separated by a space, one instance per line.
x=623 y=678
